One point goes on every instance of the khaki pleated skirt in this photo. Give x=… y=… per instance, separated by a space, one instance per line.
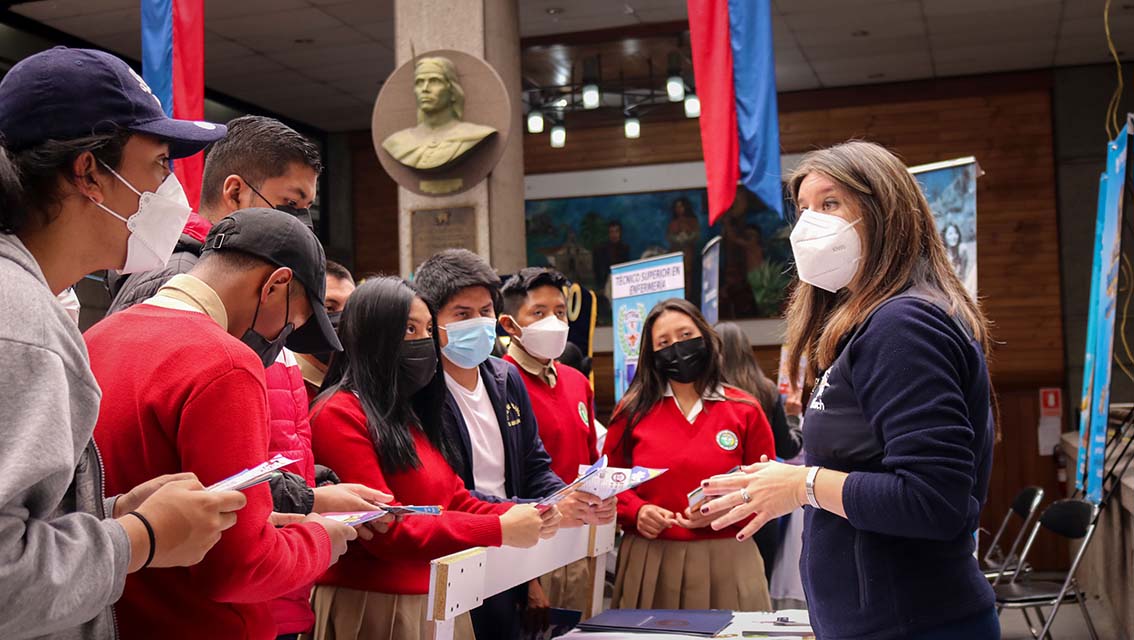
x=569 y=587
x=350 y=614
x=703 y=574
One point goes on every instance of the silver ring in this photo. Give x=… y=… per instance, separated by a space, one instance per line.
x=744 y=495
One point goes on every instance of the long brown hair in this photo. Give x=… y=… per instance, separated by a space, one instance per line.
x=902 y=249
x=740 y=368
x=648 y=386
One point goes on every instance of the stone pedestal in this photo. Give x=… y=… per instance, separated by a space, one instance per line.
x=490 y=30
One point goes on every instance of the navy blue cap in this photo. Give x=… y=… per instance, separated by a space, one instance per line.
x=63 y=94
x=281 y=239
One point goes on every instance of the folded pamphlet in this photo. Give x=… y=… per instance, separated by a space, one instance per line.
x=697 y=496
x=585 y=473
x=358 y=518
x=248 y=478
x=611 y=481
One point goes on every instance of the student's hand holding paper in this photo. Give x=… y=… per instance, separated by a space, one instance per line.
x=187 y=521
x=520 y=526
x=133 y=498
x=578 y=509
x=340 y=534
x=348 y=497
x=607 y=510
x=552 y=520
x=652 y=520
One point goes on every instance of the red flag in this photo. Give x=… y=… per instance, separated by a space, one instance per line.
x=712 y=66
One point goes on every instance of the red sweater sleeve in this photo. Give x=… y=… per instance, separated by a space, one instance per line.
x=629 y=502
x=224 y=430
x=342 y=442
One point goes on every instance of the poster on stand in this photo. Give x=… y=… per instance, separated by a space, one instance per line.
x=635 y=288
x=1092 y=331
x=1106 y=262
x=711 y=281
x=950 y=188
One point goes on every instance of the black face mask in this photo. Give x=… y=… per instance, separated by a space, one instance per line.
x=417 y=365
x=304 y=215
x=269 y=350
x=682 y=361
x=325 y=357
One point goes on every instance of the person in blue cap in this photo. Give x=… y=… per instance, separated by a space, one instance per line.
x=85 y=185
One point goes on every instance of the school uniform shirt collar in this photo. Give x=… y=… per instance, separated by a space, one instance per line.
x=695 y=410
x=189 y=293
x=545 y=372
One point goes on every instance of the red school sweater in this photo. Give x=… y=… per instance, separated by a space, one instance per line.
x=565 y=415
x=180 y=394
x=726 y=433
x=398 y=561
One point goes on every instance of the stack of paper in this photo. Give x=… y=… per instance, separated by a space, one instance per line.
x=585 y=473
x=251 y=477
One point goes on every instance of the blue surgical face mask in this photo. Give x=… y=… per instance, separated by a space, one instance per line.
x=470 y=341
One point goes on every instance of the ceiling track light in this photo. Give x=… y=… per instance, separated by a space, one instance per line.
x=632 y=128
x=558 y=136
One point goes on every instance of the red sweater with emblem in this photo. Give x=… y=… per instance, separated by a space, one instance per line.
x=398 y=561
x=565 y=415
x=726 y=433
x=180 y=394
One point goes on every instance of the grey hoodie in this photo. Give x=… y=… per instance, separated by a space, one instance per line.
x=62 y=562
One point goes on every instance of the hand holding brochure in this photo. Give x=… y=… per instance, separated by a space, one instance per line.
x=251 y=477
x=585 y=473
x=611 y=481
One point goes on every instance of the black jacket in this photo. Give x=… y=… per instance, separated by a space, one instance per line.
x=127 y=290
x=527 y=466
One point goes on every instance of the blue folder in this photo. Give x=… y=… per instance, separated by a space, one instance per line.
x=689 y=622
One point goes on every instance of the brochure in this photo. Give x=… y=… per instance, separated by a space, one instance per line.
x=611 y=481
x=251 y=477
x=585 y=473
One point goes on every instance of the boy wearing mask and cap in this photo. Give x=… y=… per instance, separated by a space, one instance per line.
x=85 y=185
x=488 y=411
x=196 y=402
x=535 y=316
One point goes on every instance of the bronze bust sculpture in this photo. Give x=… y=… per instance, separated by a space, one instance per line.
x=441 y=138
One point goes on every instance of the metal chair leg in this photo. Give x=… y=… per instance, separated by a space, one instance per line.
x=1045 y=632
x=1028 y=619
x=1086 y=614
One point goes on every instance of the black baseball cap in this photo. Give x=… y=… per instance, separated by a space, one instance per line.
x=63 y=94
x=281 y=239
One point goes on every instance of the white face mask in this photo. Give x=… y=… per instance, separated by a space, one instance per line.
x=827 y=250
x=70 y=303
x=156 y=226
x=545 y=339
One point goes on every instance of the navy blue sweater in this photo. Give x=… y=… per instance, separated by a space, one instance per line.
x=905 y=410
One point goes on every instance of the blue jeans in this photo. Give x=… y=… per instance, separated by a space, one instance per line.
x=981 y=626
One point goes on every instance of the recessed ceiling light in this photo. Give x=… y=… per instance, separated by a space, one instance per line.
x=304 y=40
x=554 y=11
x=860 y=33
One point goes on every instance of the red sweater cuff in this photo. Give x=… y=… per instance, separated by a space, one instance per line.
x=322 y=541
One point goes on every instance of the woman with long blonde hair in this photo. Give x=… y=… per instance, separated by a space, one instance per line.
x=899 y=425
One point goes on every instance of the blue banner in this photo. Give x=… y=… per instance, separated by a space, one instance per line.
x=635 y=288
x=711 y=280
x=757 y=117
x=1092 y=331
x=1106 y=262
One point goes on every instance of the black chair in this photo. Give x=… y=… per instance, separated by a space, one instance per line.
x=996 y=562
x=1073 y=519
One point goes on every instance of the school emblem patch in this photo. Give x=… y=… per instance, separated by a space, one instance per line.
x=512 y=414
x=727 y=440
x=583 y=413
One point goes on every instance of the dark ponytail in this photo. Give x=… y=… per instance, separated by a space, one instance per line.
x=30 y=177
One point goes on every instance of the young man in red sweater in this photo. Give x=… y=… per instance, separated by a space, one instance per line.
x=182 y=391
x=535 y=316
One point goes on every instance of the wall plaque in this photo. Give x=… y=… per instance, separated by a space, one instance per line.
x=437 y=229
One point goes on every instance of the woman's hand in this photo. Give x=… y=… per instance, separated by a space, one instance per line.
x=693 y=519
x=773 y=489
x=652 y=520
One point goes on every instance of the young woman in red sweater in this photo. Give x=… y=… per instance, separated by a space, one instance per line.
x=379 y=423
x=679 y=415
